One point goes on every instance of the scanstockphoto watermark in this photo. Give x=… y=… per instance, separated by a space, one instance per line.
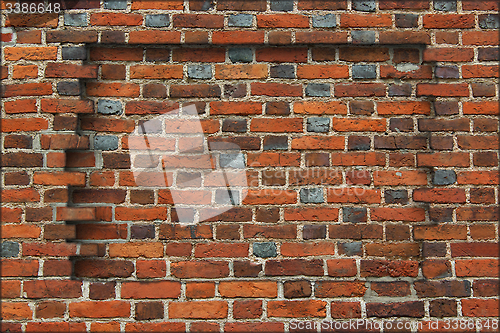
x=407 y=326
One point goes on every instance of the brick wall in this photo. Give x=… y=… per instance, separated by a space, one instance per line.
x=365 y=183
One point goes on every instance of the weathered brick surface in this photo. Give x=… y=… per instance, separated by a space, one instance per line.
x=368 y=133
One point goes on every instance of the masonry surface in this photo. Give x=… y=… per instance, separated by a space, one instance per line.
x=368 y=172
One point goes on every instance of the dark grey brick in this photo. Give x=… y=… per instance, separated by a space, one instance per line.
x=446 y=108
x=232 y=161
x=311 y=195
x=106 y=106
x=400 y=89
x=68 y=88
x=283 y=71
x=324 y=21
x=240 y=20
x=207 y=5
x=359 y=143
x=406 y=20
x=489 y=54
x=396 y=196
x=150 y=126
x=235 y=90
x=401 y=124
x=318 y=90
x=234 y=125
x=75 y=20
x=364 y=71
x=106 y=142
x=115 y=4
x=225 y=197
x=314 y=232
x=142 y=231
x=157 y=21
x=363 y=37
x=240 y=54
x=9 y=249
x=265 y=250
x=282 y=5
x=351 y=249
x=437 y=249
x=74 y=53
x=441 y=214
x=445 y=5
x=318 y=124
x=200 y=71
x=447 y=72
x=275 y=143
x=444 y=177
x=364 y=5
x=489 y=21
x=354 y=214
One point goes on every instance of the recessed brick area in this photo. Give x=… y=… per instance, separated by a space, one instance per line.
x=356 y=140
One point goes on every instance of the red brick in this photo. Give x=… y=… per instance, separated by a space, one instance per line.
x=156 y=72
x=53 y=289
x=112 y=89
x=480 y=308
x=320 y=37
x=57 y=70
x=443 y=89
x=346 y=310
x=341 y=267
x=201 y=269
x=163 y=4
x=477 y=267
x=340 y=289
x=198 y=309
x=267 y=289
x=365 y=20
x=296 y=309
x=444 y=195
x=154 y=37
x=153 y=289
x=281 y=54
x=485 y=108
x=23 y=125
x=99 y=309
x=26 y=89
x=116 y=54
x=360 y=90
x=406 y=108
x=393 y=268
x=370 y=158
x=30 y=53
x=254 y=327
x=480 y=38
x=276 y=125
x=290 y=267
x=448 y=21
x=358 y=125
x=276 y=89
x=198 y=21
x=237 y=37
x=443 y=159
x=440 y=232
x=15 y=311
x=247 y=309
x=448 y=54
x=282 y=21
x=20 y=106
x=221 y=250
x=404 y=37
